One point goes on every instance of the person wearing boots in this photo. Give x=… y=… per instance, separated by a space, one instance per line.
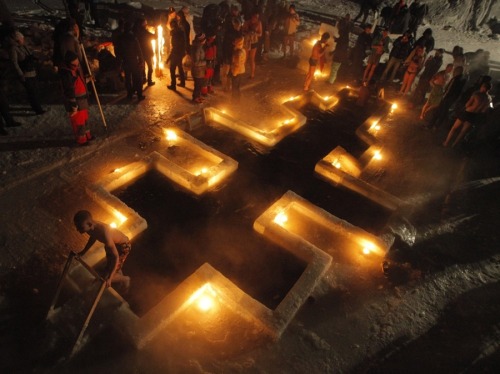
x=75 y=97
x=177 y=53
x=145 y=37
x=199 y=66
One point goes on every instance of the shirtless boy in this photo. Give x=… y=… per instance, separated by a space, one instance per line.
x=317 y=53
x=116 y=245
x=478 y=104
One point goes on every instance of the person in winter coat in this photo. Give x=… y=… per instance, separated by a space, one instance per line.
x=189 y=19
x=210 y=57
x=399 y=52
x=145 y=37
x=129 y=52
x=198 y=69
x=426 y=41
x=232 y=32
x=69 y=41
x=363 y=44
x=24 y=65
x=75 y=97
x=177 y=53
x=237 y=66
x=341 y=52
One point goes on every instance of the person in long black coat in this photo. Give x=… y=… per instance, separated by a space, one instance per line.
x=358 y=54
x=179 y=47
x=129 y=52
x=145 y=37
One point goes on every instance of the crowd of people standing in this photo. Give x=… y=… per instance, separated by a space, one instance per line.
x=232 y=39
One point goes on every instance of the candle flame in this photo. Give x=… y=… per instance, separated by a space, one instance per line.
x=205 y=303
x=377 y=155
x=394 y=106
x=281 y=218
x=113 y=225
x=120 y=216
x=204 y=297
x=202 y=171
x=171 y=135
x=368 y=248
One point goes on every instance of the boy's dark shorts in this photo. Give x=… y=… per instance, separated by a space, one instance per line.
x=123 y=252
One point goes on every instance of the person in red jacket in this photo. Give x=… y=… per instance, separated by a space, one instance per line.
x=75 y=97
x=210 y=56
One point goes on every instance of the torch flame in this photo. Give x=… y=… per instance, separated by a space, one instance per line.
x=394 y=106
x=113 y=225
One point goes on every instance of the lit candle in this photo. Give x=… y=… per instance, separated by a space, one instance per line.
x=281 y=218
x=171 y=135
x=377 y=155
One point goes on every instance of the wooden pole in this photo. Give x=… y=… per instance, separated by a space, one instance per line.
x=93 y=86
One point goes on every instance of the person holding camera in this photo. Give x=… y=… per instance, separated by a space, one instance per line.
x=25 y=66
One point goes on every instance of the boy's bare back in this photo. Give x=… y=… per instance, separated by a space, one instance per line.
x=106 y=234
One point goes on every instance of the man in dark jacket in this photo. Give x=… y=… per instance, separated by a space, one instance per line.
x=399 y=52
x=179 y=47
x=129 y=52
x=363 y=44
x=145 y=37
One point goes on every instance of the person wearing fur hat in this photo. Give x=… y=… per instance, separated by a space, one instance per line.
x=198 y=68
x=75 y=97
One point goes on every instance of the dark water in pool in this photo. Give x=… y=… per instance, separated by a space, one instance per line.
x=186 y=231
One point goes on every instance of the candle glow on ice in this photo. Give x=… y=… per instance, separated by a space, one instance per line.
x=204 y=297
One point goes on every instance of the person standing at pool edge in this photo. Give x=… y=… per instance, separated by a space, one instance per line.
x=317 y=53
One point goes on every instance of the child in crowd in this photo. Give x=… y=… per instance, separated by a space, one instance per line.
x=317 y=53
